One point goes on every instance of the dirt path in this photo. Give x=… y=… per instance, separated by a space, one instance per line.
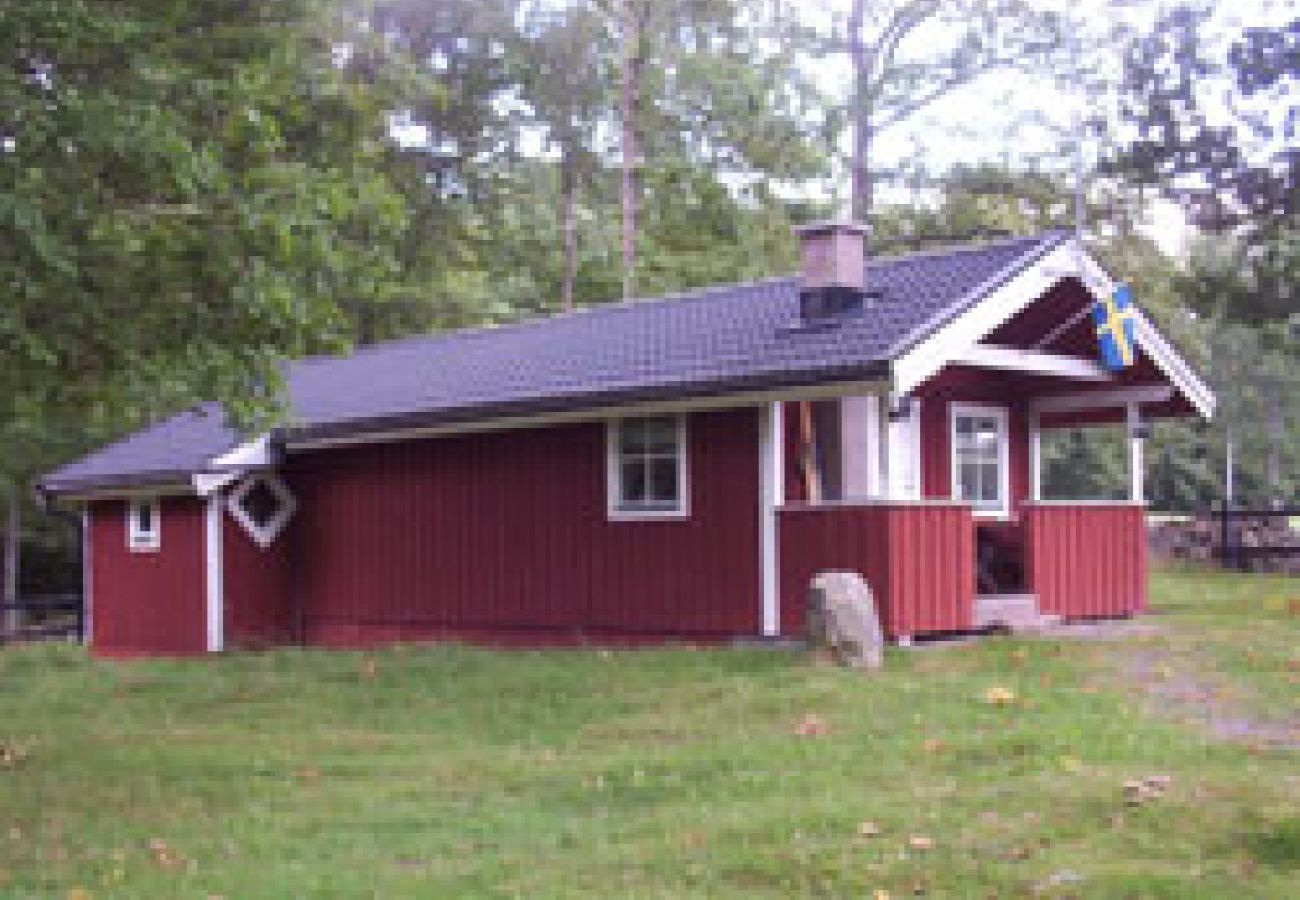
x=1203 y=698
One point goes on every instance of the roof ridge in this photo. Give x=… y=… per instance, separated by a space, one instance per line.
x=982 y=247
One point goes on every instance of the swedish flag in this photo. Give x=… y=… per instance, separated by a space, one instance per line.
x=1116 y=322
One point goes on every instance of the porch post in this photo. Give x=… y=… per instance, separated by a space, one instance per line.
x=1035 y=456
x=771 y=460
x=1137 y=474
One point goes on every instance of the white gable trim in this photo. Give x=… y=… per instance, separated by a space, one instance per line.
x=952 y=342
x=1034 y=362
x=1120 y=397
x=250 y=454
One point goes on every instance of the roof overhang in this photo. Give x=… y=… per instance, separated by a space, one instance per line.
x=814 y=384
x=958 y=340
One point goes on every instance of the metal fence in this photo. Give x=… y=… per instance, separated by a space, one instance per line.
x=43 y=617
x=1251 y=539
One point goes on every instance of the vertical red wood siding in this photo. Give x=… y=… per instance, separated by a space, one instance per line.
x=918 y=559
x=981 y=388
x=505 y=536
x=256 y=587
x=148 y=602
x=1087 y=561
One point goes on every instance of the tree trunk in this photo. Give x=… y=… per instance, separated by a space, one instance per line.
x=633 y=60
x=569 y=192
x=860 y=116
x=1276 y=434
x=13 y=535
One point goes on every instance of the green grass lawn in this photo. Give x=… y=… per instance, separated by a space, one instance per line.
x=447 y=771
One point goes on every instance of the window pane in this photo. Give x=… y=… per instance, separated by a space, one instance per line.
x=990 y=485
x=260 y=503
x=967 y=482
x=632 y=437
x=663 y=481
x=660 y=435
x=634 y=483
x=144 y=518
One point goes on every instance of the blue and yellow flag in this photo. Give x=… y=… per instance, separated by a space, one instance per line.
x=1116 y=328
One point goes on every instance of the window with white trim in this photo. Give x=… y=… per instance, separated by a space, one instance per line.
x=647 y=467
x=143 y=524
x=263 y=505
x=980 y=450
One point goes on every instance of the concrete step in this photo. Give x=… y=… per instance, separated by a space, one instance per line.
x=1014 y=612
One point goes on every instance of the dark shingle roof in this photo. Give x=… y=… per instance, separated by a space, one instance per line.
x=712 y=341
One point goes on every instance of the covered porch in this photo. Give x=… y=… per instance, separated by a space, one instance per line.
x=935 y=492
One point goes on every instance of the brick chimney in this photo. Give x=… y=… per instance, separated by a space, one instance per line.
x=834 y=269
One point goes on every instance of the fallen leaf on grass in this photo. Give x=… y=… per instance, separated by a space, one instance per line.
x=999 y=696
x=164 y=855
x=369 y=669
x=11 y=755
x=921 y=843
x=78 y=894
x=1072 y=764
x=306 y=774
x=933 y=745
x=868 y=829
x=811 y=726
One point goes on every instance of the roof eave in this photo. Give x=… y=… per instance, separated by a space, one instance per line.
x=593 y=403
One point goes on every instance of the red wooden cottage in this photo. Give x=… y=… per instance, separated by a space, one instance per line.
x=653 y=470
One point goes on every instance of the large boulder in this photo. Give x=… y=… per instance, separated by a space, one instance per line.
x=842 y=620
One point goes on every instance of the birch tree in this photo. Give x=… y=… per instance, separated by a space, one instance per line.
x=908 y=54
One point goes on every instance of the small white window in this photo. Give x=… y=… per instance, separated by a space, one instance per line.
x=980 y=470
x=143 y=524
x=647 y=467
x=263 y=505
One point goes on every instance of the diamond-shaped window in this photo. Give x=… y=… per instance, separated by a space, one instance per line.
x=263 y=505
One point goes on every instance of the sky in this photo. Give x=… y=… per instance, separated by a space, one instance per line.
x=982 y=122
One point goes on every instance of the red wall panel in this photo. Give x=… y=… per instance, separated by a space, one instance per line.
x=505 y=536
x=918 y=560
x=257 y=588
x=1086 y=561
x=961 y=385
x=148 y=602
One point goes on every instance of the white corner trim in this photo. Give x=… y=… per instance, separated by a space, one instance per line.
x=957 y=338
x=613 y=476
x=1118 y=398
x=771 y=461
x=255 y=453
x=87 y=581
x=1034 y=362
x=208 y=483
x=263 y=535
x=139 y=540
x=1035 y=456
x=215 y=586
x=1003 y=416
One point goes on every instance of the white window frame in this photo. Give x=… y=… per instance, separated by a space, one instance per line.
x=262 y=535
x=139 y=540
x=987 y=411
x=615 y=508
